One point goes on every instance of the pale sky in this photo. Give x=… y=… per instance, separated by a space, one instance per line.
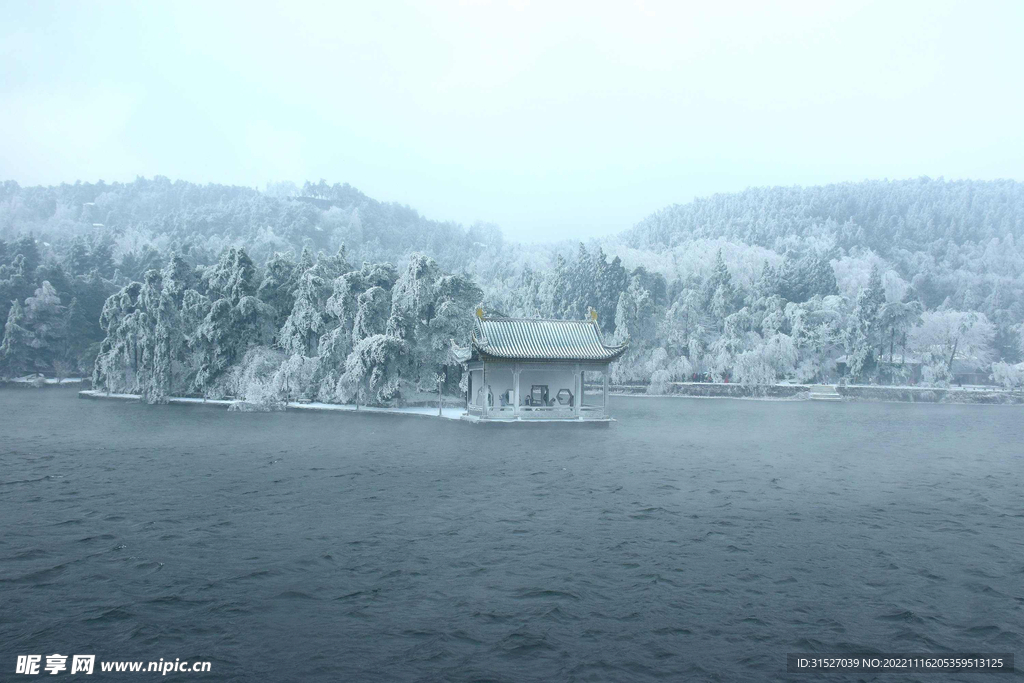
x=553 y=120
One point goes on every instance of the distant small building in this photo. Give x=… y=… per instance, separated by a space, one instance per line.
x=533 y=369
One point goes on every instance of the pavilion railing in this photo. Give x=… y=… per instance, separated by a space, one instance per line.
x=538 y=412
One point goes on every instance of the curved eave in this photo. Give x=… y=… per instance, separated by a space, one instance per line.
x=611 y=354
x=543 y=340
x=460 y=354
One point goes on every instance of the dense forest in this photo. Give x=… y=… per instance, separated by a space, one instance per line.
x=163 y=288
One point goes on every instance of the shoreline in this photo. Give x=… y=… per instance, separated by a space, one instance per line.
x=974 y=395
x=702 y=390
x=782 y=393
x=44 y=383
x=854 y=392
x=447 y=413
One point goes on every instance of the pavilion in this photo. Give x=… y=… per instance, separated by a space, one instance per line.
x=534 y=369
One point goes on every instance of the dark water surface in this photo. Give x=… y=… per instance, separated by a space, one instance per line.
x=694 y=539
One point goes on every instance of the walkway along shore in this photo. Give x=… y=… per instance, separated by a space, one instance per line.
x=421 y=411
x=858 y=392
x=446 y=413
x=791 y=392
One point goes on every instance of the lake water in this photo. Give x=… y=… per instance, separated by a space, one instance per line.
x=693 y=539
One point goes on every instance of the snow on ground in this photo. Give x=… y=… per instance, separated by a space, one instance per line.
x=32 y=379
x=426 y=411
x=423 y=411
x=910 y=387
x=185 y=400
x=796 y=397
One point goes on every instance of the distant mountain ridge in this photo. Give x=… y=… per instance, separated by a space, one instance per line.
x=204 y=219
x=881 y=215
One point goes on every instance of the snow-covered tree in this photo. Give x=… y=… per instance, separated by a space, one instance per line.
x=634 y=315
x=766 y=362
x=212 y=345
x=277 y=289
x=1007 y=375
x=44 y=318
x=294 y=377
x=15 y=350
x=896 y=319
x=255 y=379
x=946 y=336
x=307 y=321
x=372 y=371
x=372 y=315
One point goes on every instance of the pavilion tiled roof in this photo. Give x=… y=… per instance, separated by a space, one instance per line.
x=537 y=339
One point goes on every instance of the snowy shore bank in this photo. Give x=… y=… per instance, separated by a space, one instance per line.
x=447 y=413
x=40 y=382
x=421 y=411
x=859 y=392
x=780 y=392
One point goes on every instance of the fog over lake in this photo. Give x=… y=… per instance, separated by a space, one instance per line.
x=698 y=539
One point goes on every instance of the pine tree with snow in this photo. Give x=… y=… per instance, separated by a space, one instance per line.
x=233 y=277
x=331 y=354
x=373 y=314
x=302 y=330
x=331 y=267
x=277 y=288
x=373 y=371
x=43 y=317
x=343 y=303
x=612 y=281
x=168 y=345
x=558 y=288
x=15 y=282
x=634 y=315
x=450 y=316
x=865 y=340
x=194 y=309
x=15 y=350
x=123 y=361
x=412 y=297
x=768 y=284
x=306 y=262
x=823 y=277
x=212 y=346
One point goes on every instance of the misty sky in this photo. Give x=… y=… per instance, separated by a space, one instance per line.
x=551 y=120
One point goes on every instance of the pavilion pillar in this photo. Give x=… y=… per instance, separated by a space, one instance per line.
x=579 y=390
x=516 y=369
x=483 y=387
x=606 y=392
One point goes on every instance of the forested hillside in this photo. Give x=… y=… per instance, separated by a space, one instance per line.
x=163 y=287
x=885 y=216
x=146 y=219
x=927 y=268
